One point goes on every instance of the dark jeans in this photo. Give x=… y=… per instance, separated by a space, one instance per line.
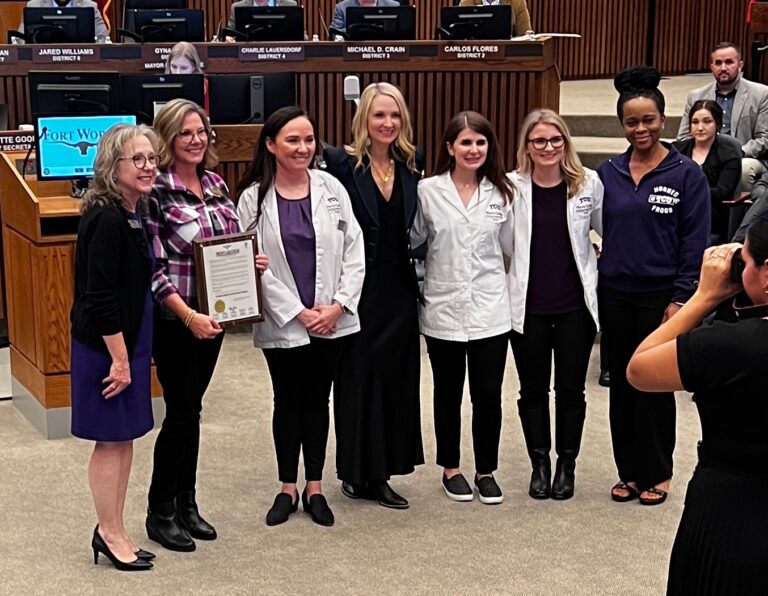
x=642 y=424
x=485 y=359
x=571 y=337
x=301 y=383
x=184 y=368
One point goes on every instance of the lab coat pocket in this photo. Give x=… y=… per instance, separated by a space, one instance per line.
x=440 y=305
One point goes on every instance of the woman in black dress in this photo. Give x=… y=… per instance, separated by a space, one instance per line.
x=376 y=391
x=720 y=546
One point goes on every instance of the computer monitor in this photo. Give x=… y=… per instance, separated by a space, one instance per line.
x=477 y=22
x=381 y=23
x=66 y=145
x=144 y=95
x=250 y=98
x=61 y=92
x=169 y=26
x=270 y=23
x=59 y=25
x=130 y=7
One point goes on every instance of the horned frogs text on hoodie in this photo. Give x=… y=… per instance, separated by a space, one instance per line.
x=654 y=233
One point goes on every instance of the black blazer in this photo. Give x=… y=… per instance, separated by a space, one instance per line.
x=722 y=167
x=113 y=270
x=362 y=192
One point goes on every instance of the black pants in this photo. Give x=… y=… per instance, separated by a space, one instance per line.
x=184 y=368
x=301 y=383
x=485 y=359
x=642 y=424
x=571 y=337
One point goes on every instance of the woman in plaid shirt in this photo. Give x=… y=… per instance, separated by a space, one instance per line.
x=188 y=202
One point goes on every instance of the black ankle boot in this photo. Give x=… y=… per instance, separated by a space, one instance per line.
x=565 y=476
x=535 y=421
x=189 y=517
x=163 y=528
x=541 y=475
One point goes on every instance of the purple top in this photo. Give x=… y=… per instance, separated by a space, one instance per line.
x=554 y=285
x=298 y=236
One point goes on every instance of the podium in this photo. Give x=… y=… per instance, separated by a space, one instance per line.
x=39 y=221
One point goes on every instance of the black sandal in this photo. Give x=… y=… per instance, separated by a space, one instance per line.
x=662 y=496
x=631 y=495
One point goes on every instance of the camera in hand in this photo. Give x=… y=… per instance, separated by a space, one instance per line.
x=737 y=267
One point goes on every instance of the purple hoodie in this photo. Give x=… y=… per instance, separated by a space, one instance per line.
x=654 y=234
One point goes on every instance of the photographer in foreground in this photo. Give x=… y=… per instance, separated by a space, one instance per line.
x=720 y=545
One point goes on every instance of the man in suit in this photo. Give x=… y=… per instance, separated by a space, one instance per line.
x=745 y=110
x=339 y=21
x=100 y=27
x=231 y=24
x=521 y=18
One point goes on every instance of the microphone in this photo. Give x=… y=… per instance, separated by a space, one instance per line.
x=352 y=88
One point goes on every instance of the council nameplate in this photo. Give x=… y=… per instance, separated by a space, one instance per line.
x=271 y=53
x=228 y=284
x=471 y=51
x=9 y=55
x=154 y=57
x=380 y=52
x=16 y=140
x=48 y=54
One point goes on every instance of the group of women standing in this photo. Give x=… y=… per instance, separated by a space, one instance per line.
x=343 y=309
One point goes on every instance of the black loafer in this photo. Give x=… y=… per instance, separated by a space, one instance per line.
x=386 y=496
x=281 y=509
x=317 y=507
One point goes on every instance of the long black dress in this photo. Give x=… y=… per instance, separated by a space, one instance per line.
x=721 y=545
x=376 y=390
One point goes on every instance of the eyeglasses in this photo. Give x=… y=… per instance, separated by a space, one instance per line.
x=540 y=143
x=202 y=133
x=140 y=161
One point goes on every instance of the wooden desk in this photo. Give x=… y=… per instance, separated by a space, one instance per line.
x=521 y=77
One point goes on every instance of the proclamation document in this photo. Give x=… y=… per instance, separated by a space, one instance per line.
x=228 y=284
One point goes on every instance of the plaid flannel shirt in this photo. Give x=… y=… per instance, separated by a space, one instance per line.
x=177 y=217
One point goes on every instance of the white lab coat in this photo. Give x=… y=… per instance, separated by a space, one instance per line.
x=465 y=289
x=584 y=212
x=339 y=261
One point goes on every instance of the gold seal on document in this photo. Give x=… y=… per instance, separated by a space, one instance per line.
x=219 y=306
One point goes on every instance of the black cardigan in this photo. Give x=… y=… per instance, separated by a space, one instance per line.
x=113 y=270
x=361 y=188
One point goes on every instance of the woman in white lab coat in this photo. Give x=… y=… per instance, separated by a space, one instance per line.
x=465 y=217
x=553 y=291
x=304 y=220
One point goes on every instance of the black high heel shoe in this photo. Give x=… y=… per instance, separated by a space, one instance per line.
x=99 y=546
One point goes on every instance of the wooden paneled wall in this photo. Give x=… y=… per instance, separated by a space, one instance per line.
x=10 y=17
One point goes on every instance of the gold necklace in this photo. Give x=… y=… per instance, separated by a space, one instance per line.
x=384 y=179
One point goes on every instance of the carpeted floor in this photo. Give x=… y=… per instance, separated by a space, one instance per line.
x=588 y=545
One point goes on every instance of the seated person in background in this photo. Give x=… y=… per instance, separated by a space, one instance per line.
x=521 y=18
x=245 y=3
x=745 y=110
x=184 y=59
x=719 y=157
x=100 y=29
x=339 y=21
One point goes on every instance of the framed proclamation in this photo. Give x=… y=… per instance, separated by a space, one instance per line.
x=228 y=284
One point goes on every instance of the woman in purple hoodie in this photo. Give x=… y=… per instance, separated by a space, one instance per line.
x=656 y=218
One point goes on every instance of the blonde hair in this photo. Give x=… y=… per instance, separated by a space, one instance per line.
x=168 y=123
x=570 y=166
x=402 y=148
x=103 y=189
x=186 y=50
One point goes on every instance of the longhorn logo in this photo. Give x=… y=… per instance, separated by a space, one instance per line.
x=83 y=146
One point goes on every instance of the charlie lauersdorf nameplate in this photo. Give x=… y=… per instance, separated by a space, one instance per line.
x=228 y=285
